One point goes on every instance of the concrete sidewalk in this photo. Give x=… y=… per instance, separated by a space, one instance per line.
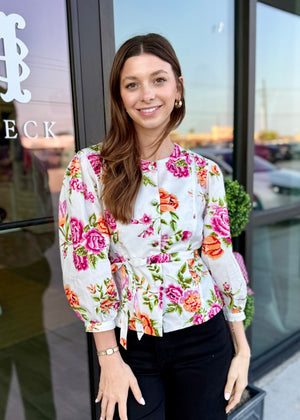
x=282 y=386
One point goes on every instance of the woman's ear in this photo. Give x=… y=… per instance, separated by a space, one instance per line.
x=179 y=86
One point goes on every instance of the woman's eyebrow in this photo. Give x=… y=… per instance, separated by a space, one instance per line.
x=155 y=73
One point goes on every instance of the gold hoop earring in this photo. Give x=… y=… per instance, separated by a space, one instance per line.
x=178 y=104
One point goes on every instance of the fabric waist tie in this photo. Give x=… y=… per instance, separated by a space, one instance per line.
x=138 y=262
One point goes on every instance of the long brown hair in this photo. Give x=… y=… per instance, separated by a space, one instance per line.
x=120 y=152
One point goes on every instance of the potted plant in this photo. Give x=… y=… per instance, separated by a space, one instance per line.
x=239 y=207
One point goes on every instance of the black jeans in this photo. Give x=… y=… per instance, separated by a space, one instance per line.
x=182 y=375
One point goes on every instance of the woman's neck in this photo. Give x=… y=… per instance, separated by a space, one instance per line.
x=148 y=148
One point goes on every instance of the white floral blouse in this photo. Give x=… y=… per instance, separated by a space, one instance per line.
x=148 y=275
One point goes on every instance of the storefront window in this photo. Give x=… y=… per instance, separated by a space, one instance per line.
x=43 y=345
x=276 y=284
x=277 y=115
x=202 y=35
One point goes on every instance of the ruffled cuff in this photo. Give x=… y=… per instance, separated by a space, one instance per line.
x=93 y=326
x=233 y=316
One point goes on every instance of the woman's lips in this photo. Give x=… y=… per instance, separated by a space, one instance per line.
x=149 y=111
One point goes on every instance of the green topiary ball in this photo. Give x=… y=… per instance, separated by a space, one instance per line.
x=239 y=206
x=249 y=311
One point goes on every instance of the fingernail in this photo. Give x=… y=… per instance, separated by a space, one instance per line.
x=142 y=401
x=227 y=396
x=96 y=400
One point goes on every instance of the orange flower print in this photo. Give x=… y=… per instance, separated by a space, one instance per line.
x=124 y=277
x=202 y=177
x=106 y=304
x=111 y=288
x=146 y=324
x=102 y=226
x=215 y=170
x=132 y=324
x=195 y=276
x=71 y=296
x=211 y=247
x=75 y=166
x=235 y=311
x=191 y=262
x=92 y=289
x=62 y=213
x=114 y=268
x=123 y=342
x=168 y=202
x=191 y=301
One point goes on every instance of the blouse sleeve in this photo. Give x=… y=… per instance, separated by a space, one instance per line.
x=217 y=248
x=84 y=237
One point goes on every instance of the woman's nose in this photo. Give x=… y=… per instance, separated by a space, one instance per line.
x=148 y=93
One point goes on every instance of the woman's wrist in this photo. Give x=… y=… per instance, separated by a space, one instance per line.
x=109 y=361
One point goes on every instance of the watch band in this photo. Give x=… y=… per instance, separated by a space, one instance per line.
x=108 y=352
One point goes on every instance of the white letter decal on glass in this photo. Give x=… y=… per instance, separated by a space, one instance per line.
x=10 y=125
x=25 y=129
x=14 y=52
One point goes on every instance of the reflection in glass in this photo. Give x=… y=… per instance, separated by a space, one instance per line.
x=38 y=141
x=23 y=343
x=277 y=137
x=43 y=347
x=202 y=36
x=276 y=274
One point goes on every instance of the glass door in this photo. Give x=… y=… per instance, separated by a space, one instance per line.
x=42 y=343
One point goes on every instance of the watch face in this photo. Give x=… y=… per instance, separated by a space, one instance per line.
x=109 y=351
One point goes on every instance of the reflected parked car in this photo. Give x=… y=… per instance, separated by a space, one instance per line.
x=273 y=187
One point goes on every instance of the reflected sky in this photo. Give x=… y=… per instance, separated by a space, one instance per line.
x=202 y=34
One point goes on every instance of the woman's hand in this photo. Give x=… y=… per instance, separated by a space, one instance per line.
x=237 y=380
x=115 y=380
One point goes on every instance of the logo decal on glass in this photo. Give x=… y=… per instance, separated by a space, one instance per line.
x=14 y=52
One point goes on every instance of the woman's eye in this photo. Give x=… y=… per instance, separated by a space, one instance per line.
x=131 y=86
x=160 y=80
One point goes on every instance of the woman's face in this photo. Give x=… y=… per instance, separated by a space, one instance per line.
x=148 y=89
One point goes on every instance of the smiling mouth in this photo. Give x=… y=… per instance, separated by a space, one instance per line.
x=149 y=110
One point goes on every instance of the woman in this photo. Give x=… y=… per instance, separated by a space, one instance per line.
x=133 y=213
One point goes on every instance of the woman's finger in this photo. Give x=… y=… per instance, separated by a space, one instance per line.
x=235 y=397
x=104 y=403
x=99 y=396
x=229 y=386
x=110 y=410
x=122 y=406
x=136 y=390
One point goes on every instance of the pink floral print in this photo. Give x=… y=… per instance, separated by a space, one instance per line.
x=147 y=275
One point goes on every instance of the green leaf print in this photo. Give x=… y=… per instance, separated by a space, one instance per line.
x=146 y=180
x=174 y=215
x=174 y=307
x=183 y=268
x=96 y=298
x=163 y=222
x=157 y=277
x=173 y=225
x=213 y=296
x=81 y=251
x=102 y=256
x=226 y=242
x=92 y=219
x=92 y=260
x=221 y=202
x=180 y=163
x=208 y=226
